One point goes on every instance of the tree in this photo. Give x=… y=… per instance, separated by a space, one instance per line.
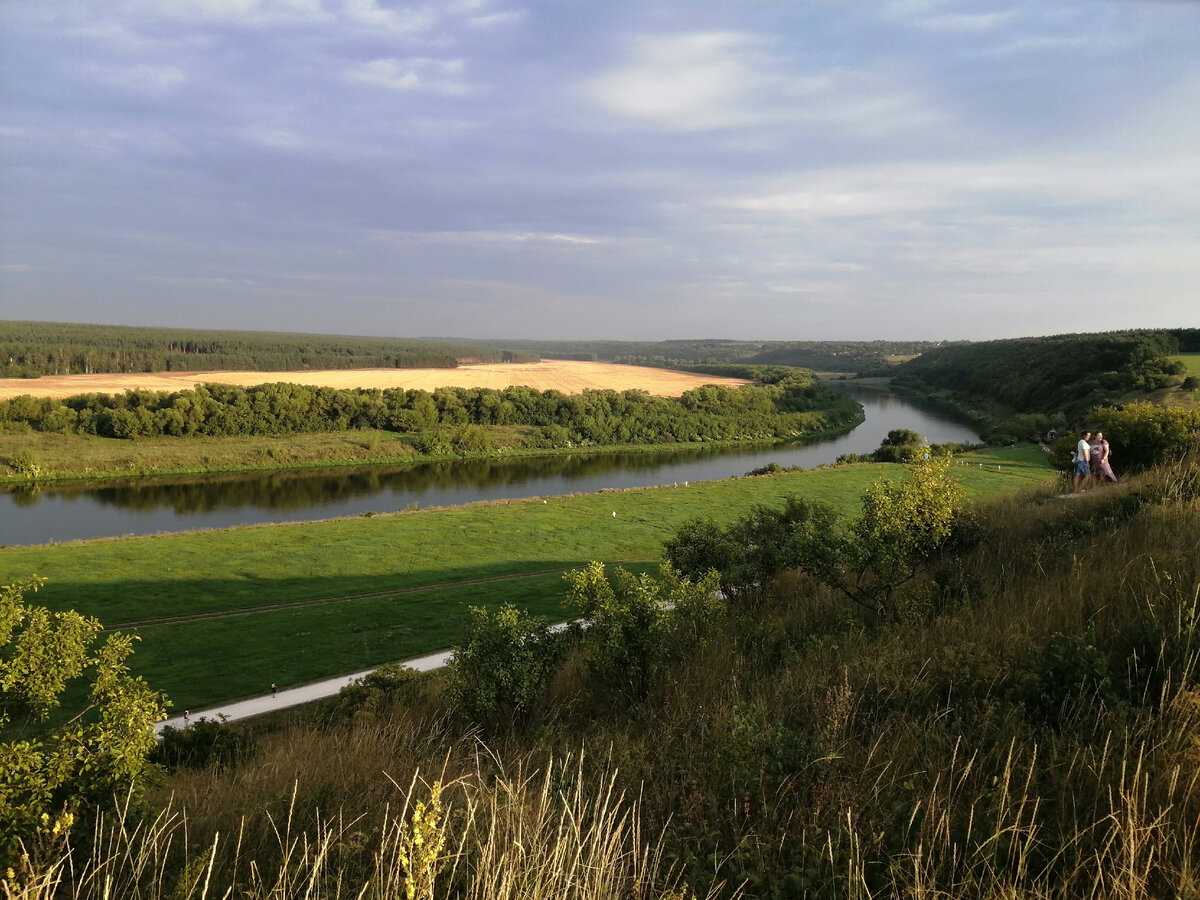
x=903 y=525
x=51 y=775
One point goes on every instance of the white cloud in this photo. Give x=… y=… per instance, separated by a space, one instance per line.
x=275 y=138
x=145 y=78
x=370 y=13
x=245 y=12
x=703 y=81
x=492 y=20
x=1054 y=185
x=694 y=81
x=483 y=237
x=16 y=267
x=972 y=23
x=440 y=76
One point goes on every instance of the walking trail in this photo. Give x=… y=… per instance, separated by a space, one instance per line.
x=306 y=693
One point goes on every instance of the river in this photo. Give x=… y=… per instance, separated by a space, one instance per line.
x=150 y=506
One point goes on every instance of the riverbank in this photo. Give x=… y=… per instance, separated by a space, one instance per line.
x=296 y=603
x=90 y=459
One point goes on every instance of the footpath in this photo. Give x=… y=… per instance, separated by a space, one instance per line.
x=297 y=696
x=305 y=693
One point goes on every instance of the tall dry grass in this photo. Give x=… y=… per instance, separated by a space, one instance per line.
x=501 y=833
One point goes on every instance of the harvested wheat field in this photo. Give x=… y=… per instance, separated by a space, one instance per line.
x=563 y=375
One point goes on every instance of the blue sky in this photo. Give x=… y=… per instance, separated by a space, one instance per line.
x=909 y=169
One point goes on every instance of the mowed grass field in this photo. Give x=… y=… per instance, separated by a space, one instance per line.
x=222 y=614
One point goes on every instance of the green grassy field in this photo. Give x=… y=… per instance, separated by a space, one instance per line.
x=222 y=614
x=1191 y=360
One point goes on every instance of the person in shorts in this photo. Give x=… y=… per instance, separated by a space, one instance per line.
x=1083 y=471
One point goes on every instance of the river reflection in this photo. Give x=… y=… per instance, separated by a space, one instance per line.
x=146 y=506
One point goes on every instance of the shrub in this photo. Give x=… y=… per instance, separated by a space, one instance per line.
x=203 y=744
x=25 y=463
x=433 y=443
x=636 y=623
x=366 y=696
x=1143 y=435
x=500 y=673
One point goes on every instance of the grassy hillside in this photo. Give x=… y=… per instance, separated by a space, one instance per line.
x=1025 y=727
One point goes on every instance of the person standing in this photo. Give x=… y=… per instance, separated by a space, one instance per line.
x=1083 y=471
x=1101 y=452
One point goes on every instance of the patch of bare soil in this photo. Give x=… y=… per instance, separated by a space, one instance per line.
x=567 y=376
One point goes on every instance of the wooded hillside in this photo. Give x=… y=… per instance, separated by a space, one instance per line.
x=1062 y=375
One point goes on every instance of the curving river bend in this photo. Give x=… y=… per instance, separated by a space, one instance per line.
x=150 y=506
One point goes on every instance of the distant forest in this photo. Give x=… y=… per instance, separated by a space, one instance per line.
x=823 y=356
x=32 y=349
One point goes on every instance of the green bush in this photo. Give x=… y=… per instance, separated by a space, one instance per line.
x=1143 y=435
x=433 y=443
x=204 y=744
x=500 y=673
x=471 y=439
x=636 y=623
x=25 y=463
x=368 y=695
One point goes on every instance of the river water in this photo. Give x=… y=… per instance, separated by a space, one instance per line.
x=150 y=506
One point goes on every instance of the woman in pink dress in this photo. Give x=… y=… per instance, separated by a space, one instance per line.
x=1101 y=470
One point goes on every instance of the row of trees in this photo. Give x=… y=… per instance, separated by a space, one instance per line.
x=792 y=407
x=30 y=349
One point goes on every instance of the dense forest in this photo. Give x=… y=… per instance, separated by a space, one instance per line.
x=824 y=356
x=30 y=349
x=794 y=404
x=1054 y=380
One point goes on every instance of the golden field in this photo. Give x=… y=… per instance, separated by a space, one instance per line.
x=567 y=376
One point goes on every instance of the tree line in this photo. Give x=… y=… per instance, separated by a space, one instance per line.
x=792 y=407
x=826 y=356
x=32 y=349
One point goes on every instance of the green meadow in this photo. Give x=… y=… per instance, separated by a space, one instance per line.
x=1191 y=360
x=222 y=614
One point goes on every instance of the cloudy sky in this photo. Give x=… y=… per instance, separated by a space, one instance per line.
x=812 y=169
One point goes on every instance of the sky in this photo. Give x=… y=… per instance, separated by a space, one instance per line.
x=603 y=169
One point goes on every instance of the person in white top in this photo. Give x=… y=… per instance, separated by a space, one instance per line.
x=1083 y=471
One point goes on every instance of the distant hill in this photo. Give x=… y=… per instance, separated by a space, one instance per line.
x=824 y=356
